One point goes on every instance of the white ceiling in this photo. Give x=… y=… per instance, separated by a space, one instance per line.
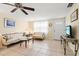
x=42 y=11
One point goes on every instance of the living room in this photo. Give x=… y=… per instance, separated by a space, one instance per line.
x=49 y=21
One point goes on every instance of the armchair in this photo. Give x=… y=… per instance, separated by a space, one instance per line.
x=39 y=35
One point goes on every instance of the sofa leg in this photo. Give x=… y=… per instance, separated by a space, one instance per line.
x=20 y=44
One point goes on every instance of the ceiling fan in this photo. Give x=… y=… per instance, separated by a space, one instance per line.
x=21 y=7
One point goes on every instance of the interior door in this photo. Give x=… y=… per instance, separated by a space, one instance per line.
x=59 y=28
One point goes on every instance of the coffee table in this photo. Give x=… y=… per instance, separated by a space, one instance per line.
x=27 y=39
x=24 y=40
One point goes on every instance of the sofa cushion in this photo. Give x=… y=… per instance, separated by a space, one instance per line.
x=11 y=41
x=13 y=38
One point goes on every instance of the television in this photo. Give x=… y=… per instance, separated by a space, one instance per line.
x=69 y=31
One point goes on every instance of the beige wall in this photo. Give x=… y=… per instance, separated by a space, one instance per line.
x=75 y=24
x=20 y=25
x=30 y=27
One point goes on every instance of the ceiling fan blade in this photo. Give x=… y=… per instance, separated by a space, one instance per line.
x=14 y=10
x=24 y=11
x=28 y=8
x=8 y=4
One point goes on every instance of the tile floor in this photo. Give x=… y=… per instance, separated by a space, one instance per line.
x=39 y=48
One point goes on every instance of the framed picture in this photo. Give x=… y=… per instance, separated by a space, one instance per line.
x=74 y=15
x=9 y=23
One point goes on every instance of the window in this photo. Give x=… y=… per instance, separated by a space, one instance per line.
x=41 y=26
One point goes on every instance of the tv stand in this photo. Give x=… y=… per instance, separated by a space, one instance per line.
x=65 y=40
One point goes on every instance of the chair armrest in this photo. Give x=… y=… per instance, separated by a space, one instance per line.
x=2 y=41
x=4 y=37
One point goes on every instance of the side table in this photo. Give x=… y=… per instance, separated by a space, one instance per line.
x=65 y=41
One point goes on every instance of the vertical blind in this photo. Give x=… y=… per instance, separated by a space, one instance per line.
x=41 y=26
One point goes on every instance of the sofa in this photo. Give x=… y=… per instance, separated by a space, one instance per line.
x=39 y=35
x=12 y=38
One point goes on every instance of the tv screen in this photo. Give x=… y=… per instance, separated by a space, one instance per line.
x=69 y=31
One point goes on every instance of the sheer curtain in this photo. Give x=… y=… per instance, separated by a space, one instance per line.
x=41 y=26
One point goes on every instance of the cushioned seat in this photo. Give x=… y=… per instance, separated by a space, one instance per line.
x=12 y=41
x=39 y=35
x=13 y=38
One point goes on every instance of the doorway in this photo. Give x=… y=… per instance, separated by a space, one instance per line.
x=59 y=28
